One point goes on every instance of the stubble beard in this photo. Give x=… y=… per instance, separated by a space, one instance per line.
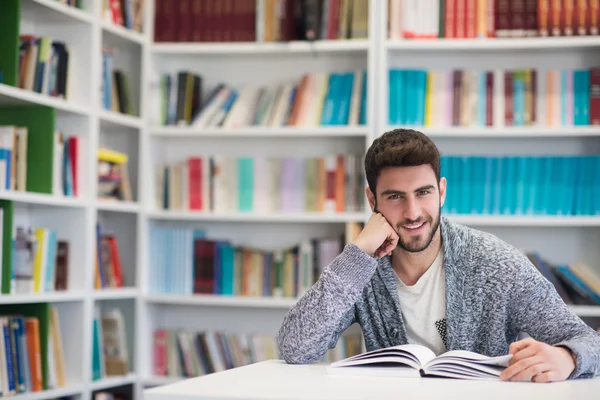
x=417 y=246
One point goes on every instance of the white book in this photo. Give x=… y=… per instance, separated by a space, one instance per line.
x=418 y=361
x=499 y=99
x=354 y=114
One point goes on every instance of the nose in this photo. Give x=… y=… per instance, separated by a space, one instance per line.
x=411 y=211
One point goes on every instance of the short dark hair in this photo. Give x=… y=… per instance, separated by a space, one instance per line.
x=400 y=148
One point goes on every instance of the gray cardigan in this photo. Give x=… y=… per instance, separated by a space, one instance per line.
x=493 y=293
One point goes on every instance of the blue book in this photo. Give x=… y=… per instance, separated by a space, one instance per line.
x=363 y=101
x=393 y=97
x=329 y=102
x=421 y=96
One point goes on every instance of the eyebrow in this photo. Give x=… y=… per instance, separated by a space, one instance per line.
x=393 y=191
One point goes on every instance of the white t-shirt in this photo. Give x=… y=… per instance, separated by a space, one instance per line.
x=423 y=307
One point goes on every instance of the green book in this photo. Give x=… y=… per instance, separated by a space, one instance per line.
x=8 y=211
x=40 y=124
x=10 y=17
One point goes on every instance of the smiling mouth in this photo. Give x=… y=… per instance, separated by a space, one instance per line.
x=413 y=227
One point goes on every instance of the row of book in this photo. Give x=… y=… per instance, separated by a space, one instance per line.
x=126 y=13
x=425 y=19
x=116 y=93
x=185 y=261
x=108 y=269
x=287 y=20
x=316 y=99
x=24 y=368
x=522 y=185
x=40 y=262
x=576 y=284
x=13 y=157
x=219 y=183
x=182 y=353
x=43 y=65
x=14 y=152
x=274 y=21
x=524 y=97
x=110 y=354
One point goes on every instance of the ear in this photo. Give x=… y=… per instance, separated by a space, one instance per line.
x=371 y=198
x=443 y=185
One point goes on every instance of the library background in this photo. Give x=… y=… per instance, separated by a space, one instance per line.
x=176 y=173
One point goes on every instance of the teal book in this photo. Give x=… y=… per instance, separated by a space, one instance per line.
x=245 y=183
x=481 y=98
x=520 y=185
x=401 y=104
x=227 y=256
x=329 y=102
x=393 y=97
x=421 y=94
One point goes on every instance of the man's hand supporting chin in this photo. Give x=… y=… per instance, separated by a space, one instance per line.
x=538 y=362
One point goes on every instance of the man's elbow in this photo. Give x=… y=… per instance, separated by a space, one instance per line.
x=293 y=352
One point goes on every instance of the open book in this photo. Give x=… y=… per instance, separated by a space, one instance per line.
x=413 y=360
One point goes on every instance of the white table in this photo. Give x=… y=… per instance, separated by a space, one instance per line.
x=277 y=380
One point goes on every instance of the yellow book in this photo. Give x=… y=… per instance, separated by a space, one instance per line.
x=112 y=156
x=40 y=259
x=429 y=99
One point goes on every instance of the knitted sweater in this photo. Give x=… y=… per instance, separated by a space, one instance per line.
x=493 y=293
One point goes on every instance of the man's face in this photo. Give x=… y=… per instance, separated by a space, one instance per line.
x=410 y=199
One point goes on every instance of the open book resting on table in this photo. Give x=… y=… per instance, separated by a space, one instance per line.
x=413 y=360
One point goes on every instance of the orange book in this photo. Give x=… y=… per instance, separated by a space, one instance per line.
x=32 y=328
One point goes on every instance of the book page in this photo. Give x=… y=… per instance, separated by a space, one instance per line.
x=475 y=357
x=411 y=354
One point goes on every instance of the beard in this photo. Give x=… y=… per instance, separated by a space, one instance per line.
x=416 y=243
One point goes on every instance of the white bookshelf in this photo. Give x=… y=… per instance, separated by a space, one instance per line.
x=559 y=238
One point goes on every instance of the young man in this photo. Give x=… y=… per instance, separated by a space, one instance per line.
x=413 y=276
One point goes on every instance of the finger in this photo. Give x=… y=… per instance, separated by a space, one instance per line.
x=520 y=366
x=529 y=351
x=520 y=345
x=530 y=372
x=544 y=377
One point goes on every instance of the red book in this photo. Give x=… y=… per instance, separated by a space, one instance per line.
x=73 y=155
x=461 y=18
x=556 y=17
x=491 y=18
x=204 y=268
x=502 y=18
x=517 y=18
x=508 y=98
x=197 y=21
x=581 y=21
x=195 y=183
x=471 y=19
x=593 y=17
x=489 y=99
x=450 y=19
x=531 y=18
x=595 y=96
x=159 y=362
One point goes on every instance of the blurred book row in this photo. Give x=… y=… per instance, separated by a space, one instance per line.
x=523 y=97
x=186 y=261
x=316 y=99
x=265 y=21
x=182 y=353
x=262 y=184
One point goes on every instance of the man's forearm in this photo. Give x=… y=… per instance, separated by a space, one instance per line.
x=325 y=311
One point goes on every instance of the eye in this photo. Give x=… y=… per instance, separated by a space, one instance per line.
x=423 y=192
x=394 y=197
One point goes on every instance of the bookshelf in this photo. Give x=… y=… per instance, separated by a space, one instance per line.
x=73 y=216
x=148 y=143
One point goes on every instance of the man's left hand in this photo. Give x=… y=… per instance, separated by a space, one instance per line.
x=538 y=361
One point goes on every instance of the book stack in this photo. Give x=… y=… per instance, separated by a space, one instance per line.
x=186 y=261
x=13 y=158
x=181 y=353
x=522 y=185
x=108 y=270
x=116 y=89
x=329 y=184
x=126 y=13
x=113 y=176
x=43 y=65
x=316 y=99
x=576 y=283
x=278 y=20
x=524 y=97
x=31 y=349
x=425 y=19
